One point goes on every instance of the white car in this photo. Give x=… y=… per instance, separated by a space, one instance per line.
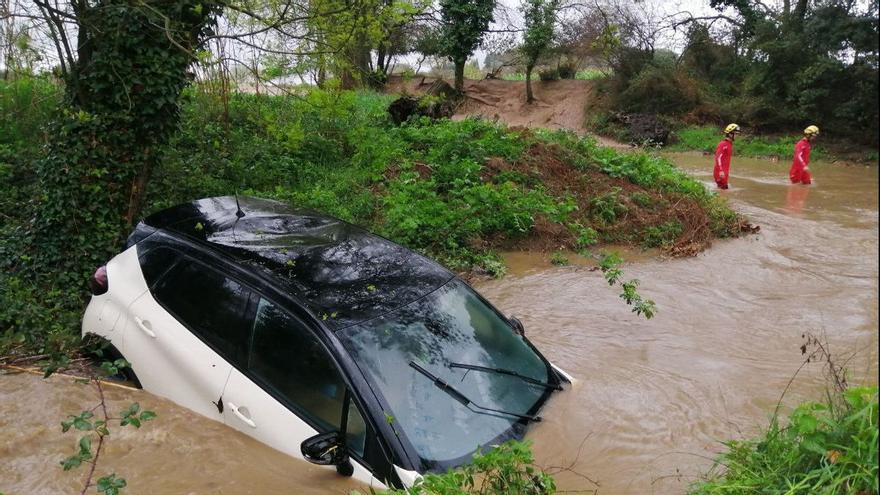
x=317 y=338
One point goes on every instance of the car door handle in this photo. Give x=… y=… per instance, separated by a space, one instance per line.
x=145 y=326
x=246 y=420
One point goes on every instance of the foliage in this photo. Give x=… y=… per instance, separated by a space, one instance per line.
x=548 y=74
x=558 y=258
x=825 y=448
x=96 y=428
x=120 y=106
x=463 y=25
x=540 y=17
x=609 y=264
x=768 y=69
x=505 y=469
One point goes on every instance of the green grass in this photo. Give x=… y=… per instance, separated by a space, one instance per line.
x=706 y=139
x=592 y=74
x=582 y=75
x=824 y=449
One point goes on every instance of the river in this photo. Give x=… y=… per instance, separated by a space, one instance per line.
x=653 y=398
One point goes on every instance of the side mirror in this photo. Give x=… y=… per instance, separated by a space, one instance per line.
x=328 y=449
x=517 y=326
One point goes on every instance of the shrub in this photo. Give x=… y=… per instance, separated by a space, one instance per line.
x=567 y=70
x=549 y=74
x=825 y=449
x=504 y=470
x=662 y=90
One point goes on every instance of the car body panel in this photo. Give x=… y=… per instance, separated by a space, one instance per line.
x=261 y=416
x=105 y=314
x=172 y=362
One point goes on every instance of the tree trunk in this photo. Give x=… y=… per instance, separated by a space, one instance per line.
x=459 y=76
x=529 y=96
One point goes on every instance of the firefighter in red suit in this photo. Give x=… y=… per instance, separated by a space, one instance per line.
x=800 y=165
x=723 y=153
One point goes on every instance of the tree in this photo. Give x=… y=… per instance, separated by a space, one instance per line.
x=540 y=18
x=463 y=25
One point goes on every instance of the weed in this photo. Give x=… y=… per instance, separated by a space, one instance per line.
x=559 y=258
x=608 y=208
x=825 y=448
x=662 y=235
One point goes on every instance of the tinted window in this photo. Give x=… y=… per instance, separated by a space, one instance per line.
x=355 y=431
x=155 y=262
x=211 y=305
x=289 y=359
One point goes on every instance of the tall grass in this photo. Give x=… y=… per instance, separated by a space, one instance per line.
x=824 y=448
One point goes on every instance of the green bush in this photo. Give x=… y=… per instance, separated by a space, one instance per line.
x=506 y=469
x=824 y=449
x=660 y=89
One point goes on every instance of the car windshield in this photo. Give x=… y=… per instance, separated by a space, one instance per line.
x=449 y=327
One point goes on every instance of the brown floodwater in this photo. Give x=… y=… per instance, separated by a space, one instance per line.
x=653 y=398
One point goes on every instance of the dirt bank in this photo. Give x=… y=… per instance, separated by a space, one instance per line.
x=559 y=104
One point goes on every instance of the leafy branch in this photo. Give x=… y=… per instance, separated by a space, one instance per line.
x=97 y=428
x=609 y=264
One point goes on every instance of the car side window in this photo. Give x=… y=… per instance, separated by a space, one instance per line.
x=212 y=306
x=355 y=431
x=155 y=262
x=290 y=359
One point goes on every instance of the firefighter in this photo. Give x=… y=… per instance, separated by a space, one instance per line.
x=800 y=165
x=722 y=156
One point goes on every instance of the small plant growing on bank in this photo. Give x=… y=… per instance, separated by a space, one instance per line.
x=826 y=448
x=559 y=259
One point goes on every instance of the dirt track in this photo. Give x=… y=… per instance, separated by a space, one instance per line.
x=559 y=104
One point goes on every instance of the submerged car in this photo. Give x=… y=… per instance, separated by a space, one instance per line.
x=317 y=338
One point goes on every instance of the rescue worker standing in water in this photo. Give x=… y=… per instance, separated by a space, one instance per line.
x=722 y=156
x=800 y=171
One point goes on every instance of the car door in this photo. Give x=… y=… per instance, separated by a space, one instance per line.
x=184 y=334
x=291 y=390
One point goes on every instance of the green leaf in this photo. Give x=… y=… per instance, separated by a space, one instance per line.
x=85 y=446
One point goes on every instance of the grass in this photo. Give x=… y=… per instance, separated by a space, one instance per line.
x=824 y=449
x=705 y=139
x=582 y=75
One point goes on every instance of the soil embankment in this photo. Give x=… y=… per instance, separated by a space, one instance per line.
x=559 y=104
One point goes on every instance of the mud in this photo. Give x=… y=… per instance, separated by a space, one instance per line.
x=654 y=398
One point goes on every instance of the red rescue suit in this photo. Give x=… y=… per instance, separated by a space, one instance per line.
x=800 y=172
x=722 y=162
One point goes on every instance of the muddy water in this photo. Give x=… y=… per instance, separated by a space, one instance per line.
x=653 y=398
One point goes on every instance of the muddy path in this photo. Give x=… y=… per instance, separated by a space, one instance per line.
x=558 y=104
x=653 y=398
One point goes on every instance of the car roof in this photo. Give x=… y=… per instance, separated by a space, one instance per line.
x=340 y=272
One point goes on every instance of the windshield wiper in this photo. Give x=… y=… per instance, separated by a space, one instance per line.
x=502 y=371
x=463 y=399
